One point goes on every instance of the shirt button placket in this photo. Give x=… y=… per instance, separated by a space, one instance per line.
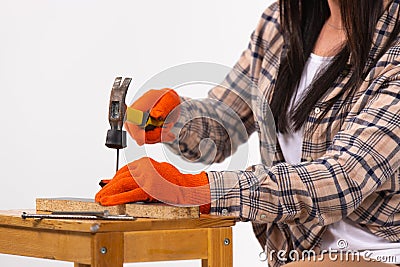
x=224 y=212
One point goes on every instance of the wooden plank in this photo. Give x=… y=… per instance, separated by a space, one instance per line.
x=13 y=218
x=74 y=204
x=54 y=245
x=140 y=210
x=142 y=224
x=166 y=245
x=161 y=211
x=219 y=248
x=108 y=250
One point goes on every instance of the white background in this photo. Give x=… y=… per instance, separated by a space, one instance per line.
x=58 y=60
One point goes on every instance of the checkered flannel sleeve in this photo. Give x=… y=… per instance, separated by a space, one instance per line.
x=226 y=117
x=363 y=156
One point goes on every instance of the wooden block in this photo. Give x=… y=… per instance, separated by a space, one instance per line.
x=161 y=211
x=75 y=204
x=140 y=210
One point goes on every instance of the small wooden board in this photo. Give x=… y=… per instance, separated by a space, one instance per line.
x=140 y=210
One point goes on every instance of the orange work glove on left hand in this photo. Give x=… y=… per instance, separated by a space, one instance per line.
x=151 y=181
x=161 y=105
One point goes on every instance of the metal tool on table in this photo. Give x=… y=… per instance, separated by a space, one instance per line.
x=118 y=112
x=78 y=215
x=116 y=137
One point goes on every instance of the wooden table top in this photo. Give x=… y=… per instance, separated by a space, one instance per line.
x=12 y=218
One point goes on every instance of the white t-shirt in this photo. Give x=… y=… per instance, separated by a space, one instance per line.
x=343 y=235
x=291 y=142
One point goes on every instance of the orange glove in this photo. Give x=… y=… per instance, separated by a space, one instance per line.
x=159 y=103
x=148 y=180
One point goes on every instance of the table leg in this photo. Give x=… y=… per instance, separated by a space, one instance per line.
x=107 y=250
x=219 y=248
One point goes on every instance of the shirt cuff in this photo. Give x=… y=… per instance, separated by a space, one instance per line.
x=233 y=194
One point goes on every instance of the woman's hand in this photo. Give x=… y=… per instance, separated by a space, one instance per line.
x=162 y=105
x=151 y=181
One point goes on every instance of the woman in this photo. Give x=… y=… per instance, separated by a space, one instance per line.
x=329 y=70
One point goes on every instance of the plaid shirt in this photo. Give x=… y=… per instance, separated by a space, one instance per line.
x=350 y=161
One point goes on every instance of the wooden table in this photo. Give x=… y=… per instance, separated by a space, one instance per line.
x=100 y=243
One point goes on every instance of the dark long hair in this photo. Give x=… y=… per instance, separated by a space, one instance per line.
x=302 y=21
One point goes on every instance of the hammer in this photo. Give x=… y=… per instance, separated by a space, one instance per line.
x=116 y=137
x=119 y=112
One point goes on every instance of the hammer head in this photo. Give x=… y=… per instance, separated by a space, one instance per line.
x=116 y=137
